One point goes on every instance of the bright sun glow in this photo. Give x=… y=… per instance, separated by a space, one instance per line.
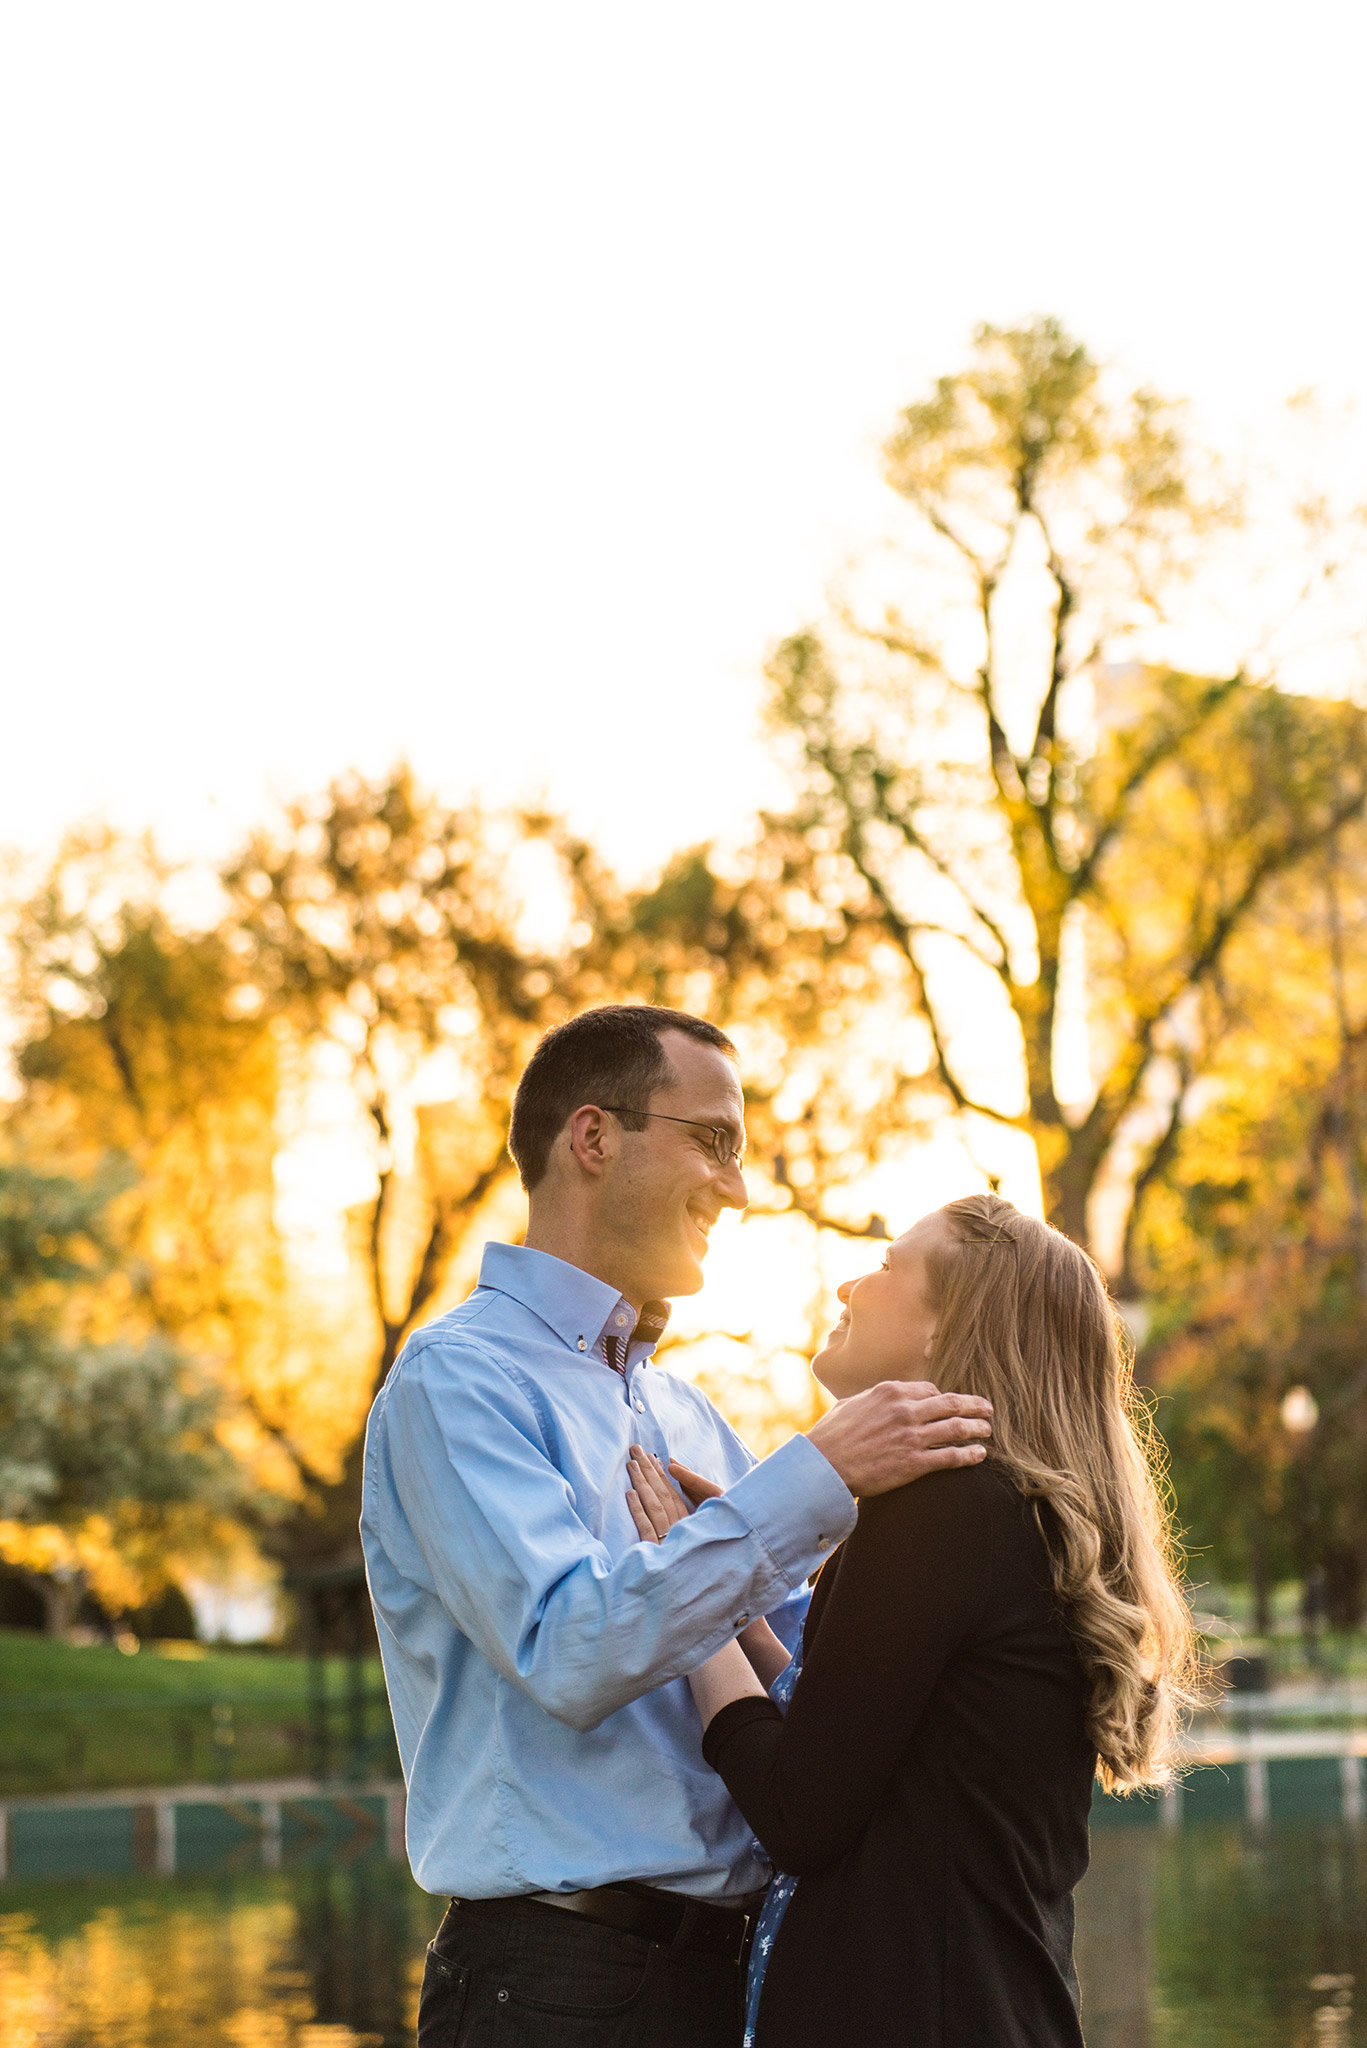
x=495 y=385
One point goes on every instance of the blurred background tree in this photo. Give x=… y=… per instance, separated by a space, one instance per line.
x=1035 y=879
x=391 y=946
x=1060 y=849
x=138 y=1042
x=109 y=1457
x=1254 y=1258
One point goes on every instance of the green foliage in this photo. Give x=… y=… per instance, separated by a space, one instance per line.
x=996 y=792
x=53 y=1235
x=115 y=1430
x=984 y=803
x=1254 y=1249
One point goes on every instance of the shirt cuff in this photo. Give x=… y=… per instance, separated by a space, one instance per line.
x=728 y=1720
x=798 y=1505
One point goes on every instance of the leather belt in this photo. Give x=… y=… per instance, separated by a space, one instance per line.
x=664 y=1917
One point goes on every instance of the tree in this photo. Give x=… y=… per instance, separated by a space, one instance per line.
x=381 y=924
x=382 y=935
x=140 y=1040
x=764 y=942
x=1004 y=805
x=1254 y=1255
x=108 y=1449
x=387 y=935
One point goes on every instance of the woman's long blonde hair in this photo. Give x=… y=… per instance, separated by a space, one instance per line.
x=1023 y=1317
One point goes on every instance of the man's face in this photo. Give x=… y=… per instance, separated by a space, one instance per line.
x=887 y=1326
x=667 y=1187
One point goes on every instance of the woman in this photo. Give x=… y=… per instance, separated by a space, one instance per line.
x=987 y=1642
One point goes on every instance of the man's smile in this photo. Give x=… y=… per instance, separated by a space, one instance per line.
x=701 y=1219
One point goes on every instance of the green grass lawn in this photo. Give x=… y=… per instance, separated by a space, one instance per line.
x=76 y=1719
x=36 y=1666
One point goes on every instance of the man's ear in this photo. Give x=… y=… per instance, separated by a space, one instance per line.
x=592 y=1137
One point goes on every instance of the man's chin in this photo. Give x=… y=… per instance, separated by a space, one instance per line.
x=683 y=1276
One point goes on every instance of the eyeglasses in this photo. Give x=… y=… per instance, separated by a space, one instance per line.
x=724 y=1147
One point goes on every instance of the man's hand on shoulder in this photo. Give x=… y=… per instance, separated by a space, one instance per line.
x=899 y=1431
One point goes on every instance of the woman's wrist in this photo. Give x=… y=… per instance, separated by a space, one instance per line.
x=724 y=1677
x=766 y=1654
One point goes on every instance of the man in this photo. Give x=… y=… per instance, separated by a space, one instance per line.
x=535 y=1650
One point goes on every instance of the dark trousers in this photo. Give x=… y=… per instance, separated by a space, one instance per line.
x=519 y=1975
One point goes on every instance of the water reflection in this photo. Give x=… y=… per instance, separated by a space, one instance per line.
x=1212 y=1936
x=1226 y=1936
x=319 y=1957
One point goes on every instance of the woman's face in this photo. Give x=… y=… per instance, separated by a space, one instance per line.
x=887 y=1329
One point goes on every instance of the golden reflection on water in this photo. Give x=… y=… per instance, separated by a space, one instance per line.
x=1216 y=1934
x=127 y=1979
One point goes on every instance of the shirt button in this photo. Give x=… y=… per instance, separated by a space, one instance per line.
x=741 y=1621
x=621 y=1321
x=822 y=1541
x=583 y=1345
x=503 y=1998
x=639 y=1406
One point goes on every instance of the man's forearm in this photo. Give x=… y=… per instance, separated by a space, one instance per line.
x=595 y=1640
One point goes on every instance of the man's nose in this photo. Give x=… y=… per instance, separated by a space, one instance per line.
x=844 y=1290
x=734 y=1192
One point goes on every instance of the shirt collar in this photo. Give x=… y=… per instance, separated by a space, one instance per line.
x=580 y=1309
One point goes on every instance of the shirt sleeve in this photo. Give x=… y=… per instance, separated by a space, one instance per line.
x=912 y=1585
x=504 y=1548
x=737 y=1459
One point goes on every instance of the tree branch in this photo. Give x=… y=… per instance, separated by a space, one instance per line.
x=442 y=1235
x=810 y=1207
x=1047 y=720
x=1154 y=1168
x=281 y=1437
x=900 y=823
x=1161 y=750
x=1112 y=1103
x=904 y=933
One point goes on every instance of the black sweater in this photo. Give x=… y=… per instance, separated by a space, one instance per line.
x=930 y=1785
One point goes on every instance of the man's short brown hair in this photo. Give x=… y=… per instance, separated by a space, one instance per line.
x=609 y=1055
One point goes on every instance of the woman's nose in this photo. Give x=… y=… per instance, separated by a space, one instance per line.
x=844 y=1290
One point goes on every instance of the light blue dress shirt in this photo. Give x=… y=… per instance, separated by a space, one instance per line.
x=533 y=1646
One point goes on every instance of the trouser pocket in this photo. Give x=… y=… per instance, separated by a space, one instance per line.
x=444 y=1989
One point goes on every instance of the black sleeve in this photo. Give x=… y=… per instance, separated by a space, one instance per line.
x=913 y=1583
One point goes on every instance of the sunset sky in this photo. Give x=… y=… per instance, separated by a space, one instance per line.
x=492 y=385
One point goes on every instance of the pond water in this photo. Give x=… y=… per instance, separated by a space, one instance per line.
x=1221 y=1935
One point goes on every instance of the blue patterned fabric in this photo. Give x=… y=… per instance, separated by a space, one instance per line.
x=780 y=1891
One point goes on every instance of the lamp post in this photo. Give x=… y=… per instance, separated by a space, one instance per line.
x=1300 y=1413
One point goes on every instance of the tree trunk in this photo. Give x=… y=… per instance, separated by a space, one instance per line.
x=1345 y=1586
x=61 y=1595
x=1262 y=1586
